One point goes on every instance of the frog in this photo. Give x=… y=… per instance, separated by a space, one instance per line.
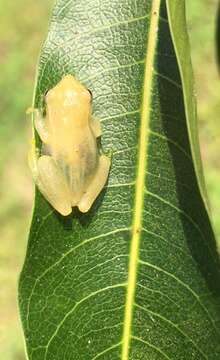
x=69 y=169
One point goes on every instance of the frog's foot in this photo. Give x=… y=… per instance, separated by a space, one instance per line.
x=96 y=185
x=52 y=184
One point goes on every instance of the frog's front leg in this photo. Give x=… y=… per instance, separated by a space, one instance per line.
x=96 y=184
x=96 y=127
x=40 y=125
x=51 y=183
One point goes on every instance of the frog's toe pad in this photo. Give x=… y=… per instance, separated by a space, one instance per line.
x=83 y=206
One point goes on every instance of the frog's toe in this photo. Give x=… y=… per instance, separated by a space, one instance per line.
x=84 y=206
x=65 y=211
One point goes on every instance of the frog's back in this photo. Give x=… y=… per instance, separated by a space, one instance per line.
x=78 y=160
x=72 y=142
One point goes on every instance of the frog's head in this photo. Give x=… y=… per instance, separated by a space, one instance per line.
x=69 y=92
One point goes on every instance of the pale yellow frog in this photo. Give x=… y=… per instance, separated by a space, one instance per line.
x=70 y=171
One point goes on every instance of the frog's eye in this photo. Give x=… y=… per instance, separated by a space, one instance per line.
x=49 y=93
x=46 y=92
x=90 y=92
x=45 y=97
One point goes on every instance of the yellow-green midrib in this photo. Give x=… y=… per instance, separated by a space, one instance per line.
x=140 y=182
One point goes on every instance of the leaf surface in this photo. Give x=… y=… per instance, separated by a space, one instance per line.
x=218 y=35
x=137 y=277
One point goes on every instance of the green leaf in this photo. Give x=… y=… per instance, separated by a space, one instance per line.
x=137 y=277
x=218 y=35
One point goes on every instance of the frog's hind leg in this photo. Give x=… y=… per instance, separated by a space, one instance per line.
x=96 y=184
x=52 y=184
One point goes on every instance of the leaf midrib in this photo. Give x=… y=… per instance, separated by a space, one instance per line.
x=141 y=171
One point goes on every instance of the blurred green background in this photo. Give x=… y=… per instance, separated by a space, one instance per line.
x=23 y=27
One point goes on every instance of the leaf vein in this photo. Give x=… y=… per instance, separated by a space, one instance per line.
x=61 y=259
x=70 y=312
x=141 y=173
x=158 y=292
x=120 y=115
x=171 y=323
x=171 y=81
x=164 y=239
x=151 y=346
x=118 y=67
x=195 y=225
x=172 y=142
x=107 y=350
x=181 y=282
